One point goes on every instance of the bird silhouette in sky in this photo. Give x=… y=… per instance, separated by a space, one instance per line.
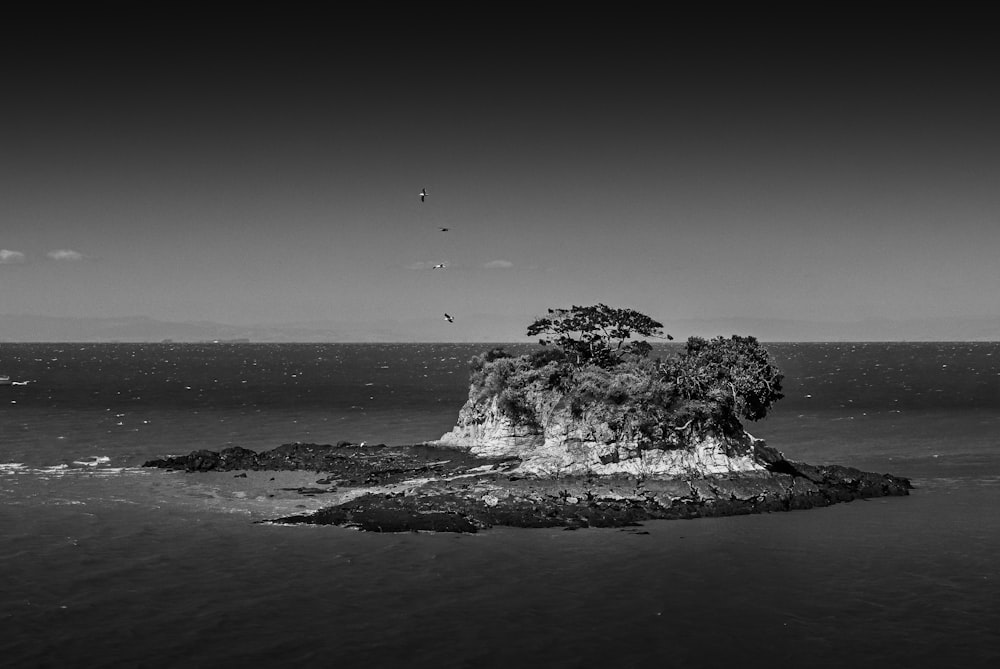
x=423 y=194
x=438 y=266
x=448 y=318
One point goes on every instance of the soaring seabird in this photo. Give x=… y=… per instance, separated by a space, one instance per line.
x=423 y=194
x=449 y=318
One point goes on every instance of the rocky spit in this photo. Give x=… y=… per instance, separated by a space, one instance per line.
x=440 y=488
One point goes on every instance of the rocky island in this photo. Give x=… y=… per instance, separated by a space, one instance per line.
x=586 y=431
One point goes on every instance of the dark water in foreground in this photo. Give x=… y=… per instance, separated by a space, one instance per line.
x=106 y=564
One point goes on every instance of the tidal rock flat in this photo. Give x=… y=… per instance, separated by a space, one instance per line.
x=432 y=488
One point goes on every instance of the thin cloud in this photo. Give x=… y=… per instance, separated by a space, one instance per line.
x=8 y=257
x=499 y=264
x=68 y=255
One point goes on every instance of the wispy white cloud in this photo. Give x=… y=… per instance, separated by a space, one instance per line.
x=8 y=257
x=65 y=254
x=499 y=264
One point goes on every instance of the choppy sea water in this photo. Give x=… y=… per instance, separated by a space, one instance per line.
x=105 y=564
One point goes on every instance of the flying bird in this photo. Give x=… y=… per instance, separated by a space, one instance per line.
x=423 y=194
x=448 y=318
x=438 y=266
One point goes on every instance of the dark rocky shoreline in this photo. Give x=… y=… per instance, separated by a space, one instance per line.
x=349 y=464
x=430 y=488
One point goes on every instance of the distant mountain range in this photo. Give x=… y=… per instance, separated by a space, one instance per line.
x=33 y=328
x=474 y=328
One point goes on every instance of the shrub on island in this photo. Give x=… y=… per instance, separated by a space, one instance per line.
x=589 y=362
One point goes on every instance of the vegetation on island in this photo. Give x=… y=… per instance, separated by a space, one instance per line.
x=590 y=363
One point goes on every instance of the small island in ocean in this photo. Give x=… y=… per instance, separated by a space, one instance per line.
x=587 y=431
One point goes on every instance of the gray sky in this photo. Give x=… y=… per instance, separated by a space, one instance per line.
x=266 y=170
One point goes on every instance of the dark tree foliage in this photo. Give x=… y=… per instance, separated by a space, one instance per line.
x=511 y=380
x=594 y=370
x=597 y=335
x=737 y=371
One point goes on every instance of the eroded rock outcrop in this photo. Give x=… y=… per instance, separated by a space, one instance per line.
x=558 y=442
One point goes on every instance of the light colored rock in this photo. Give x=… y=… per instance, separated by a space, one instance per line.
x=562 y=444
x=488 y=433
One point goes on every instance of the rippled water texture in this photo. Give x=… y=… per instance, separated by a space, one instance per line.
x=105 y=564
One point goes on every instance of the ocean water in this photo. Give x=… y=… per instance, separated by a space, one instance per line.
x=106 y=564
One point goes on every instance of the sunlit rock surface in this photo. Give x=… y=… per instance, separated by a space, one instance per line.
x=559 y=443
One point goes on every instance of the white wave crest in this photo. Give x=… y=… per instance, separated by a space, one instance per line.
x=93 y=461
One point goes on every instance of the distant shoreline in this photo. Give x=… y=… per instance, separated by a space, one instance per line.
x=479 y=329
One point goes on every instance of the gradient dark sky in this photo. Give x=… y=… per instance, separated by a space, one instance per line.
x=266 y=169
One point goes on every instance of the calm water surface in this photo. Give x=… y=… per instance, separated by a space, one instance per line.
x=108 y=565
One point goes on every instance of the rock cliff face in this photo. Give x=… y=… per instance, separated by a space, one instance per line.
x=560 y=443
